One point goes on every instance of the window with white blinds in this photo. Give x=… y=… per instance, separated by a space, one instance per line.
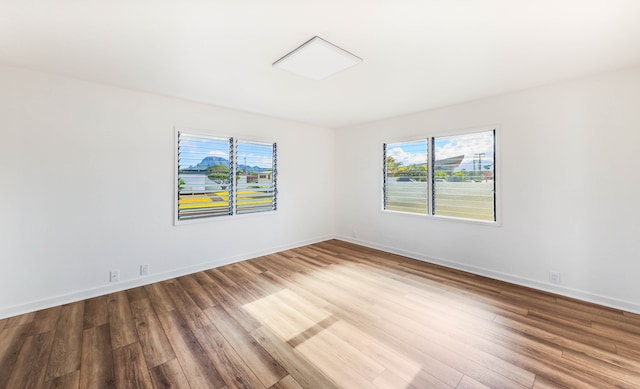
x=219 y=176
x=451 y=176
x=405 y=176
x=256 y=177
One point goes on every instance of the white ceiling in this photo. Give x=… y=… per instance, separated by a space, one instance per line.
x=418 y=54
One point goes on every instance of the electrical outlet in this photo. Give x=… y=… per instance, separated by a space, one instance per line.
x=144 y=270
x=554 y=277
x=114 y=275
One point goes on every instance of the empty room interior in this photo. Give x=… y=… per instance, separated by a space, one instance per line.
x=296 y=194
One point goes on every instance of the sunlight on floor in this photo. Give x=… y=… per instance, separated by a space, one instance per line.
x=339 y=349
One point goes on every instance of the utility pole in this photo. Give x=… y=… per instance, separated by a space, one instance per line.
x=479 y=157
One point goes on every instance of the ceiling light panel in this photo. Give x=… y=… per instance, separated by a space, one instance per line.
x=317 y=59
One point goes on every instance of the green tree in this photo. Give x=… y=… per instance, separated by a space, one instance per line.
x=219 y=174
x=392 y=166
x=459 y=176
x=417 y=172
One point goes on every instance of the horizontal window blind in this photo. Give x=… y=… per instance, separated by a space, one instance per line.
x=205 y=184
x=256 y=177
x=405 y=183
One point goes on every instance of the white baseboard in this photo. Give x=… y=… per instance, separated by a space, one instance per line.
x=513 y=279
x=49 y=302
x=116 y=287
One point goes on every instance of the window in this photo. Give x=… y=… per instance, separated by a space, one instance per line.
x=464 y=180
x=210 y=169
x=204 y=172
x=256 y=177
x=461 y=183
x=405 y=176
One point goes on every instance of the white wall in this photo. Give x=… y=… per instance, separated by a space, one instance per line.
x=87 y=186
x=569 y=171
x=71 y=152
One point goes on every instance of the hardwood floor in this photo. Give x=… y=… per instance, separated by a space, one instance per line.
x=328 y=315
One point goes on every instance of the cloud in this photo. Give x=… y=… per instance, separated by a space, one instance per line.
x=219 y=153
x=468 y=145
x=256 y=160
x=407 y=157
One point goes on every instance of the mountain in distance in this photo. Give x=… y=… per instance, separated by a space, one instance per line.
x=209 y=161
x=212 y=160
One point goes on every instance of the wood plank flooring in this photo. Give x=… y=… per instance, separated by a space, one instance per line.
x=328 y=315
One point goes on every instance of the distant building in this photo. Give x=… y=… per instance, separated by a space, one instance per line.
x=193 y=182
x=448 y=165
x=257 y=178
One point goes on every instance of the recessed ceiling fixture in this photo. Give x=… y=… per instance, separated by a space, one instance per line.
x=317 y=59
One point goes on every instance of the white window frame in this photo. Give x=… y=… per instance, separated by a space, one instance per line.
x=431 y=166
